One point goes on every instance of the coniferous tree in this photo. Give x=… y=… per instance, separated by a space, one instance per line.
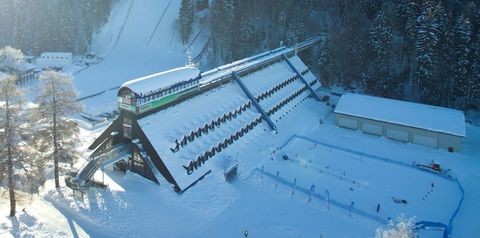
x=407 y=13
x=186 y=20
x=39 y=26
x=6 y=21
x=477 y=22
x=381 y=43
x=411 y=15
x=474 y=79
x=370 y=8
x=57 y=133
x=324 y=65
x=439 y=80
x=295 y=29
x=463 y=34
x=10 y=122
x=427 y=40
x=221 y=27
x=446 y=62
x=423 y=42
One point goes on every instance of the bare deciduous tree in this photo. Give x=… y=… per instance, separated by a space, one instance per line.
x=10 y=121
x=57 y=133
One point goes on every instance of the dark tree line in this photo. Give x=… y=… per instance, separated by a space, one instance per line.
x=423 y=51
x=186 y=19
x=420 y=50
x=240 y=28
x=36 y=26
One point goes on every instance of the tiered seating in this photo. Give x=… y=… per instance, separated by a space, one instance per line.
x=281 y=95
x=287 y=100
x=282 y=108
x=198 y=129
x=200 y=159
x=209 y=126
x=277 y=87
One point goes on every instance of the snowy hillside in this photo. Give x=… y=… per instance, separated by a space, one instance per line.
x=128 y=52
x=123 y=43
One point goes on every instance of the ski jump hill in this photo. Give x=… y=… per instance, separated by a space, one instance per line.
x=179 y=142
x=139 y=39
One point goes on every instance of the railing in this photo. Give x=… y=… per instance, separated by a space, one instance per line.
x=82 y=179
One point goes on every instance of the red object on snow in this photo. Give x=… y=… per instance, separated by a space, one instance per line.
x=436 y=167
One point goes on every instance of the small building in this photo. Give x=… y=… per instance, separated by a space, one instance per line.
x=3 y=76
x=421 y=124
x=55 y=59
x=24 y=71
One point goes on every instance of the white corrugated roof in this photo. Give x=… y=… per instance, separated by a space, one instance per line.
x=144 y=85
x=432 y=118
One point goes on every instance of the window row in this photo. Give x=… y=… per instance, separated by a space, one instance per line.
x=166 y=92
x=55 y=57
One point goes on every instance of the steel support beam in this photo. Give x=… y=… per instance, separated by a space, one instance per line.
x=254 y=101
x=301 y=77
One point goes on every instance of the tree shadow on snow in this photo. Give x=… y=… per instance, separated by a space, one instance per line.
x=21 y=222
x=74 y=217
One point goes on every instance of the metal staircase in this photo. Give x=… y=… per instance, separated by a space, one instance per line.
x=254 y=101
x=83 y=179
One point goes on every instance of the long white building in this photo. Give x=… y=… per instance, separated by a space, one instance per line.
x=55 y=59
x=421 y=124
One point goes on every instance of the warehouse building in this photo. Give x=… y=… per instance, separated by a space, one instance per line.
x=421 y=124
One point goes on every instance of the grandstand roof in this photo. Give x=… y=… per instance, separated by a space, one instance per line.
x=170 y=124
x=146 y=85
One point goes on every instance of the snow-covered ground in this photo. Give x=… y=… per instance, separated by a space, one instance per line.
x=352 y=166
x=264 y=205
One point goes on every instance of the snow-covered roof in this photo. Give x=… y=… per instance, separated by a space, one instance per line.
x=24 y=66
x=147 y=84
x=56 y=54
x=427 y=117
x=21 y=66
x=165 y=126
